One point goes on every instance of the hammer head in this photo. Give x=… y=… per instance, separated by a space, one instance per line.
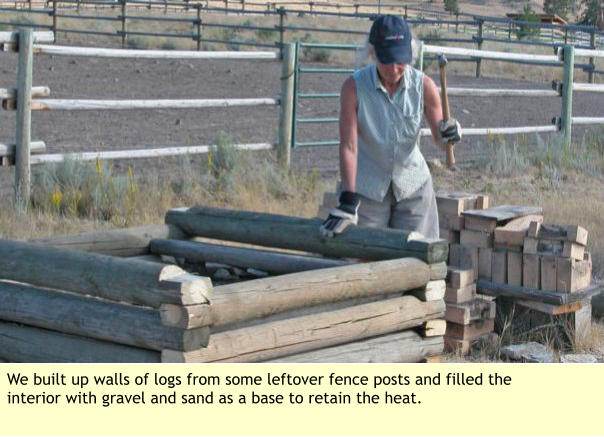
x=442 y=60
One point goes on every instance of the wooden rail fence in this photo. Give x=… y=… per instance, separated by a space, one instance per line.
x=35 y=98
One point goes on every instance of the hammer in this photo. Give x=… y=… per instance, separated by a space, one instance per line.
x=442 y=62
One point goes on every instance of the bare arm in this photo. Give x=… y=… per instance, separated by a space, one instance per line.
x=433 y=110
x=348 y=135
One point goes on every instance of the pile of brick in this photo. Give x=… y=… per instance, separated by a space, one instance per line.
x=555 y=259
x=469 y=316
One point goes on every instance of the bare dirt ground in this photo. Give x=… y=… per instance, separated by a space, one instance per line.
x=90 y=78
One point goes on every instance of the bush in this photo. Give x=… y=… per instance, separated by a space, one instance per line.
x=529 y=15
x=266 y=35
x=451 y=6
x=80 y=189
x=137 y=42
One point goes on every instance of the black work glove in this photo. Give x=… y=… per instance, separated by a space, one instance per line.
x=342 y=216
x=449 y=131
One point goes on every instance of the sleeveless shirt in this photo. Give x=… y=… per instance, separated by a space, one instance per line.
x=388 y=135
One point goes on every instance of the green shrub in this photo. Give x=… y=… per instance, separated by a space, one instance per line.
x=524 y=30
x=266 y=35
x=169 y=45
x=137 y=42
x=85 y=190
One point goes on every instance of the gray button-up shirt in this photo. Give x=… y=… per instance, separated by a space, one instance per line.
x=388 y=135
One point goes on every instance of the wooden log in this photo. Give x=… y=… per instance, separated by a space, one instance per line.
x=300 y=334
x=119 y=279
x=95 y=318
x=118 y=242
x=36 y=91
x=261 y=297
x=116 y=105
x=303 y=234
x=505 y=290
x=401 y=347
x=185 y=317
x=434 y=328
x=514 y=231
x=434 y=290
x=438 y=271
x=460 y=295
x=268 y=261
x=24 y=344
x=151 y=54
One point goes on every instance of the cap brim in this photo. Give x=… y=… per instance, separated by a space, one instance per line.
x=395 y=54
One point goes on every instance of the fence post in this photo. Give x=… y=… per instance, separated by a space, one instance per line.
x=54 y=20
x=592 y=60
x=123 y=17
x=23 y=133
x=281 y=11
x=288 y=70
x=198 y=24
x=568 y=53
x=479 y=40
x=406 y=14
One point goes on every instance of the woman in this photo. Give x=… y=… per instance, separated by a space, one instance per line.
x=385 y=179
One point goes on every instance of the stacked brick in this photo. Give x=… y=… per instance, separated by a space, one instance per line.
x=555 y=259
x=469 y=316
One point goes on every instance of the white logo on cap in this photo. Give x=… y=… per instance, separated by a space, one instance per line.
x=397 y=36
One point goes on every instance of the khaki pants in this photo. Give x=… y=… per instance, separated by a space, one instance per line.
x=416 y=213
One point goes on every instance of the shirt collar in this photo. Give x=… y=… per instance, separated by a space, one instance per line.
x=378 y=84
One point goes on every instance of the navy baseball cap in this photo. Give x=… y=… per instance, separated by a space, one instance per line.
x=391 y=37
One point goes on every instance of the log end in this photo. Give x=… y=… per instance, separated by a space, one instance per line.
x=185 y=317
x=191 y=289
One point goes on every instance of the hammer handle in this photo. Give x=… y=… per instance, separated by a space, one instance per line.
x=444 y=96
x=445 y=107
